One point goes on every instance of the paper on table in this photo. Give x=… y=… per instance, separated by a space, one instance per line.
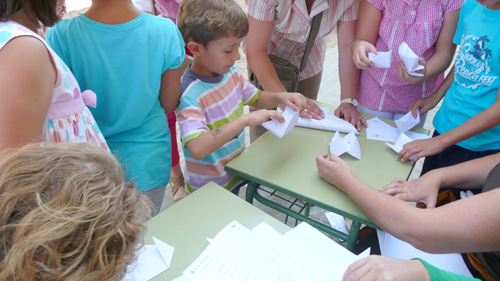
x=324 y=251
x=381 y=59
x=404 y=139
x=390 y=246
x=329 y=123
x=349 y=144
x=281 y=129
x=410 y=59
x=379 y=130
x=238 y=254
x=407 y=122
x=151 y=261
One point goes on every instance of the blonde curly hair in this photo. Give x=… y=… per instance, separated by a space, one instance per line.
x=67 y=214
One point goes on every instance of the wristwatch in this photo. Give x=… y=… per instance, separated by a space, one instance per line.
x=354 y=102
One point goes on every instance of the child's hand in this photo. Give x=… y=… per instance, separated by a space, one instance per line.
x=423 y=105
x=406 y=77
x=421 y=148
x=258 y=117
x=295 y=101
x=360 y=50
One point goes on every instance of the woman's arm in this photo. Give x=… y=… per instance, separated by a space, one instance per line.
x=27 y=78
x=170 y=89
x=258 y=40
x=468 y=175
x=466 y=225
x=349 y=75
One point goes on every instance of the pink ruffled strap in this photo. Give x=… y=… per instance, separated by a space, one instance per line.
x=70 y=107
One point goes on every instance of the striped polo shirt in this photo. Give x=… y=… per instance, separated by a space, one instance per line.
x=207 y=104
x=292 y=23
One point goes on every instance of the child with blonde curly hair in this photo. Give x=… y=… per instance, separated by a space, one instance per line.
x=67 y=214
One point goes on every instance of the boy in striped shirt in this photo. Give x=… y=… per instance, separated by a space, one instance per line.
x=210 y=112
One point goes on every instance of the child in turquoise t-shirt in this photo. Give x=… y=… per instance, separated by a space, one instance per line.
x=130 y=60
x=468 y=122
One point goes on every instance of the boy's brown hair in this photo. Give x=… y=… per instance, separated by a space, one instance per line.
x=203 y=21
x=38 y=11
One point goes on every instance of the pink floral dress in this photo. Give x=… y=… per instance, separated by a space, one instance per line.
x=68 y=118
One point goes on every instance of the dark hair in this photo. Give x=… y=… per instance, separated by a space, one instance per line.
x=206 y=20
x=43 y=11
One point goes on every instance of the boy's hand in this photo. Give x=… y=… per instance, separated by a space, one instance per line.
x=406 y=77
x=258 y=117
x=295 y=101
x=360 y=50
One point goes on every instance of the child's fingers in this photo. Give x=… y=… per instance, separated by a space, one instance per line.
x=276 y=115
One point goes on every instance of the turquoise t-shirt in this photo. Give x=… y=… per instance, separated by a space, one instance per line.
x=123 y=65
x=477 y=71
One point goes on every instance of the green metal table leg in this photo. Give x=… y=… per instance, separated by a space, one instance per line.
x=251 y=189
x=353 y=235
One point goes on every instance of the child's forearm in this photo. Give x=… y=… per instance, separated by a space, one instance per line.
x=208 y=142
x=439 y=62
x=445 y=86
x=268 y=100
x=350 y=74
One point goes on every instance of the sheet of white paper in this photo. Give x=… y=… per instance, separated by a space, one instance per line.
x=329 y=123
x=410 y=59
x=238 y=254
x=404 y=139
x=416 y=136
x=325 y=251
x=382 y=59
x=281 y=129
x=349 y=144
x=393 y=247
x=149 y=263
x=407 y=122
x=379 y=130
x=166 y=251
x=338 y=222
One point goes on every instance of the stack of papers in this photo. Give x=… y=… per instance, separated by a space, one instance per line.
x=329 y=123
x=410 y=59
x=382 y=59
x=303 y=253
x=281 y=129
x=349 y=144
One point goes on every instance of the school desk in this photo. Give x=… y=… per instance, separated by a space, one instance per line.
x=188 y=223
x=288 y=165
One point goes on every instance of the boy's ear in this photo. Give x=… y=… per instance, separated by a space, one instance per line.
x=195 y=48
